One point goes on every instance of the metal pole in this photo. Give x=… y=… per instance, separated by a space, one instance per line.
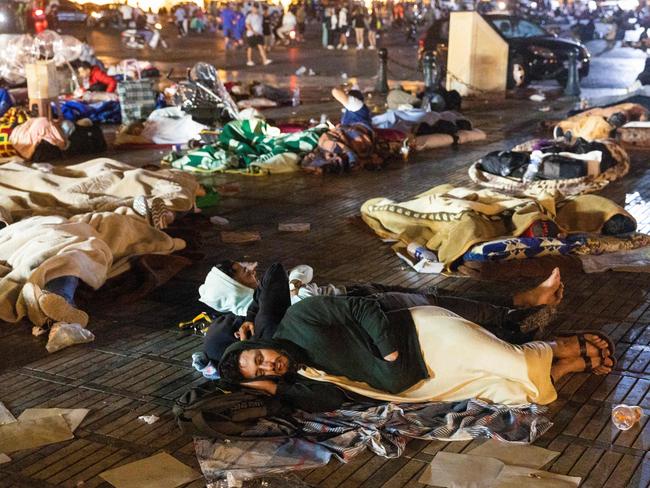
x=382 y=71
x=572 y=88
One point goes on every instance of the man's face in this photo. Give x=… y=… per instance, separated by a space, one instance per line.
x=262 y=362
x=245 y=273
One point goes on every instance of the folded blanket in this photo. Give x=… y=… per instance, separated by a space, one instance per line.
x=451 y=220
x=383 y=429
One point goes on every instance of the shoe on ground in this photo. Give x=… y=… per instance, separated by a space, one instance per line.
x=250 y=63
x=31 y=294
x=339 y=46
x=57 y=309
x=345 y=48
x=372 y=47
x=359 y=46
x=330 y=47
x=267 y=62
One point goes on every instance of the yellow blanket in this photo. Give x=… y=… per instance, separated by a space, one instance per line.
x=450 y=220
x=98 y=185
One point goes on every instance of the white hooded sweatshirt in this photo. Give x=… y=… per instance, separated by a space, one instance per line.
x=224 y=294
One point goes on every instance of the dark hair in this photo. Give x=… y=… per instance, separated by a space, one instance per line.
x=617 y=119
x=229 y=368
x=225 y=266
x=356 y=94
x=85 y=65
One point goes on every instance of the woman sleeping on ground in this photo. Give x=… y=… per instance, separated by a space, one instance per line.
x=421 y=354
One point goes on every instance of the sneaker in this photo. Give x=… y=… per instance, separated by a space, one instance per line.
x=31 y=294
x=267 y=62
x=372 y=47
x=339 y=46
x=345 y=48
x=330 y=47
x=250 y=63
x=359 y=46
x=57 y=309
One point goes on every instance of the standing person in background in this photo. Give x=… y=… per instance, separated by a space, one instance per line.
x=343 y=27
x=227 y=27
x=301 y=18
x=332 y=29
x=325 y=24
x=359 y=21
x=239 y=27
x=267 y=28
x=180 y=16
x=255 y=36
x=373 y=26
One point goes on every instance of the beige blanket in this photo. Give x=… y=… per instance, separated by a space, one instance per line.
x=98 y=185
x=450 y=220
x=92 y=247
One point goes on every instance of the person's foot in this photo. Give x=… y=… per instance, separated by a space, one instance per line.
x=599 y=366
x=548 y=292
x=250 y=63
x=267 y=62
x=569 y=347
x=345 y=48
x=330 y=47
x=57 y=309
x=31 y=294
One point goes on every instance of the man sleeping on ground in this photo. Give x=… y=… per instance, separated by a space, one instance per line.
x=421 y=354
x=253 y=308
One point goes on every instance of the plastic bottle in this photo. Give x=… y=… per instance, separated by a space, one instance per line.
x=533 y=166
x=625 y=416
x=420 y=252
x=295 y=100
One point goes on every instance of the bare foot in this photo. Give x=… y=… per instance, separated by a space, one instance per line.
x=563 y=367
x=569 y=347
x=548 y=292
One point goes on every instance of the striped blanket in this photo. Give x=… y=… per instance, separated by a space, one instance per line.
x=248 y=145
x=384 y=429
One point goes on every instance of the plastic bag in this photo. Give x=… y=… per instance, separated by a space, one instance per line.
x=63 y=335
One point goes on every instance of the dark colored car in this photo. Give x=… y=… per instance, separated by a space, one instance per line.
x=70 y=12
x=534 y=53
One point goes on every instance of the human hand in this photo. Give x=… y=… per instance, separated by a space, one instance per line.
x=294 y=286
x=246 y=331
x=392 y=356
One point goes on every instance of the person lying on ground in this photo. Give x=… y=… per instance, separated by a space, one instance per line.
x=256 y=312
x=356 y=111
x=421 y=354
x=93 y=78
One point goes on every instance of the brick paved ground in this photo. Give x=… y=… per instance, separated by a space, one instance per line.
x=138 y=365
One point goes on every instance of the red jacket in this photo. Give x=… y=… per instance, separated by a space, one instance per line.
x=98 y=76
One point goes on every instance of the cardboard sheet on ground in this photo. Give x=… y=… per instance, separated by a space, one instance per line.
x=73 y=416
x=28 y=434
x=450 y=470
x=240 y=237
x=6 y=416
x=515 y=454
x=158 y=471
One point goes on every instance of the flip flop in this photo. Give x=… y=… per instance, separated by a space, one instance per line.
x=589 y=366
x=582 y=341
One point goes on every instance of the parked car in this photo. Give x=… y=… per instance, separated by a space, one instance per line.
x=533 y=54
x=70 y=12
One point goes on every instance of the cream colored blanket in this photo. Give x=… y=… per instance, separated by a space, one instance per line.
x=98 y=185
x=92 y=247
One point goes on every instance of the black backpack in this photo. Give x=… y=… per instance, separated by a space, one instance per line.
x=213 y=409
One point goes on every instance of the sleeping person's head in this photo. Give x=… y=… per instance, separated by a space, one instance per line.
x=250 y=360
x=229 y=287
x=243 y=272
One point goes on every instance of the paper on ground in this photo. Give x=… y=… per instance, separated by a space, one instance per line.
x=240 y=237
x=4 y=459
x=453 y=471
x=423 y=265
x=299 y=227
x=5 y=415
x=73 y=416
x=520 y=477
x=159 y=471
x=28 y=434
x=515 y=454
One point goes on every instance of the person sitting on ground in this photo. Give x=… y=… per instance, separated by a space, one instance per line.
x=252 y=308
x=421 y=354
x=93 y=78
x=289 y=23
x=356 y=111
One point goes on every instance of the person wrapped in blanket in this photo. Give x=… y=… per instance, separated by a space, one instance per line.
x=329 y=350
x=351 y=144
x=252 y=308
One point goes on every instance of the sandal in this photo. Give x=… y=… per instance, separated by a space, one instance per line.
x=582 y=341
x=589 y=366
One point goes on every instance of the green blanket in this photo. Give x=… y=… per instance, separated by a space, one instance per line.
x=247 y=145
